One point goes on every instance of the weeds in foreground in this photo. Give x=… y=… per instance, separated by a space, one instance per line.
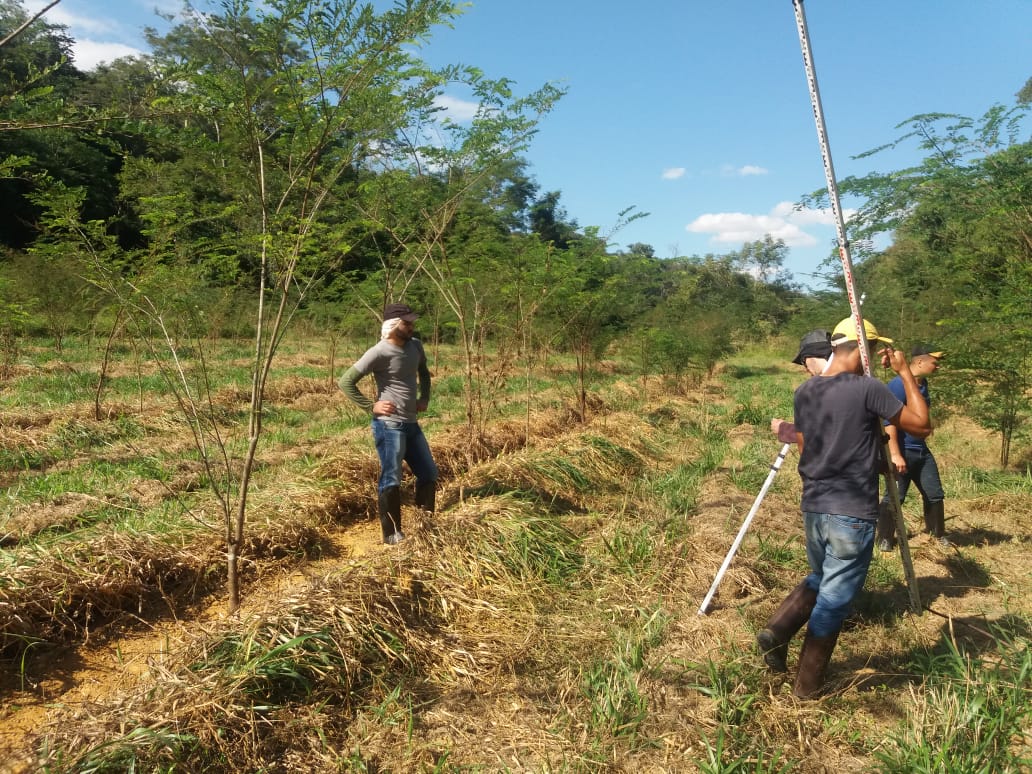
x=774 y=555
x=680 y=488
x=724 y=757
x=141 y=749
x=735 y=686
x=530 y=546
x=271 y=667
x=618 y=705
x=632 y=549
x=972 y=713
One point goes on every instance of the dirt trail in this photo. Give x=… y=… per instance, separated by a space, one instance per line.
x=102 y=669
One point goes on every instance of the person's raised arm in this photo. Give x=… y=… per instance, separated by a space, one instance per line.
x=914 y=416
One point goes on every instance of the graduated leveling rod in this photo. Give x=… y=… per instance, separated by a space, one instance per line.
x=854 y=305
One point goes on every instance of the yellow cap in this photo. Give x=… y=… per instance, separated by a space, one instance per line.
x=846 y=331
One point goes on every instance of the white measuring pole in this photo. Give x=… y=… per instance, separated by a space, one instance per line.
x=774 y=468
x=847 y=270
x=745 y=527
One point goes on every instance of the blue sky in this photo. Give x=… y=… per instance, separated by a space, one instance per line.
x=698 y=112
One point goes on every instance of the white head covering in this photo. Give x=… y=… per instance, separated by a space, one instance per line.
x=388 y=326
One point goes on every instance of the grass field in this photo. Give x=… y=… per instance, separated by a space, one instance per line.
x=545 y=619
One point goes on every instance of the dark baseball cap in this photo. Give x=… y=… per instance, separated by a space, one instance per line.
x=400 y=311
x=926 y=349
x=814 y=344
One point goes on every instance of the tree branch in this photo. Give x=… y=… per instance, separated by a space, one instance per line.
x=24 y=26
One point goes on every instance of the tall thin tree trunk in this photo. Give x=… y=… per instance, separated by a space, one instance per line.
x=105 y=362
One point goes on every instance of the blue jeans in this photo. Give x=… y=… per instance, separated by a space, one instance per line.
x=924 y=472
x=839 y=549
x=398 y=441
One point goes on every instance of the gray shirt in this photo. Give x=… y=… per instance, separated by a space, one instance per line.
x=401 y=376
x=840 y=419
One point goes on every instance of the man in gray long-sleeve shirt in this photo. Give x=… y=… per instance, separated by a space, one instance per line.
x=397 y=361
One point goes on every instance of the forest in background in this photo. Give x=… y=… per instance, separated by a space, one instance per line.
x=287 y=164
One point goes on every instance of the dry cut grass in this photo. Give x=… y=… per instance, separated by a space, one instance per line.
x=546 y=618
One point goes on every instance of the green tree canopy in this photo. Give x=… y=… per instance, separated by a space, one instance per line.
x=960 y=269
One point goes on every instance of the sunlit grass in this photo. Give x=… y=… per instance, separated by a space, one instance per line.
x=979 y=482
x=48 y=390
x=543 y=611
x=99 y=478
x=972 y=713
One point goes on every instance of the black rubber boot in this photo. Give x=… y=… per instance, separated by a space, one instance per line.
x=426 y=496
x=772 y=640
x=886 y=534
x=390 y=515
x=813 y=664
x=935 y=521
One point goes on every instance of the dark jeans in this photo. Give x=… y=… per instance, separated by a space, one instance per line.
x=922 y=470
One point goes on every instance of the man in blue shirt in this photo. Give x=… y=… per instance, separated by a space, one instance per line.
x=914 y=460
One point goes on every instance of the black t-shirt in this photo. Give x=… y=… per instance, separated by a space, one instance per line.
x=840 y=419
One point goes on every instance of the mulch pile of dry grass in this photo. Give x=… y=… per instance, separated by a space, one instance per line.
x=455 y=611
x=60 y=595
x=245 y=690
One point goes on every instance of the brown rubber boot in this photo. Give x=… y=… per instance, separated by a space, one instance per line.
x=426 y=495
x=813 y=663
x=772 y=640
x=390 y=515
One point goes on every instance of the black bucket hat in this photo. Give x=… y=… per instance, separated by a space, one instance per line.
x=814 y=344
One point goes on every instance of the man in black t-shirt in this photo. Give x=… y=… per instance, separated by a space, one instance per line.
x=838 y=416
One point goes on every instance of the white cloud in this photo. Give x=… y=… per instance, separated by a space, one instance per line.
x=673 y=173
x=87 y=54
x=95 y=38
x=76 y=23
x=744 y=171
x=751 y=169
x=739 y=227
x=117 y=20
x=784 y=221
x=458 y=110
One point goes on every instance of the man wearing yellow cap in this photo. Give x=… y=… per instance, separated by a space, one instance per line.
x=838 y=416
x=914 y=461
